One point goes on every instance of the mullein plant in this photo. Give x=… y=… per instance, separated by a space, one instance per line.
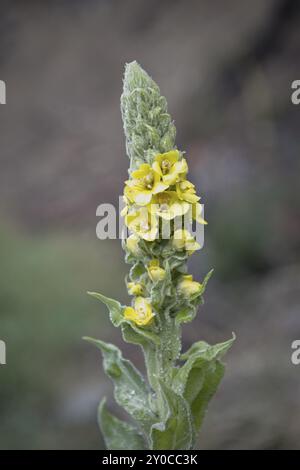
x=166 y=410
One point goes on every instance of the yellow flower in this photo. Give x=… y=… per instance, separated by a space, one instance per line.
x=183 y=240
x=141 y=314
x=125 y=209
x=128 y=194
x=196 y=213
x=135 y=288
x=128 y=199
x=186 y=191
x=132 y=244
x=169 y=167
x=142 y=223
x=156 y=273
x=143 y=184
x=167 y=205
x=187 y=287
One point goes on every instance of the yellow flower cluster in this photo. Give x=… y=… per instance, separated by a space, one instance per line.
x=160 y=191
x=142 y=313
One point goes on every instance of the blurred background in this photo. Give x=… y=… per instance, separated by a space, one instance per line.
x=226 y=69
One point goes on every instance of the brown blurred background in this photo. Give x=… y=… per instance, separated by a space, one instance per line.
x=226 y=69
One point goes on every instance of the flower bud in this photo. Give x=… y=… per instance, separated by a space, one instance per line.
x=183 y=240
x=187 y=287
x=156 y=273
x=132 y=244
x=135 y=288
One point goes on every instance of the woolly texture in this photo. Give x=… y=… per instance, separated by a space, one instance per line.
x=148 y=127
x=167 y=410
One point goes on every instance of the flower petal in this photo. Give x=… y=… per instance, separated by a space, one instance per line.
x=142 y=198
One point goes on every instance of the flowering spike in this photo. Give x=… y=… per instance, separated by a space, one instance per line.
x=148 y=127
x=159 y=199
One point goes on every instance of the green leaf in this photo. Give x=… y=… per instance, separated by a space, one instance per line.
x=147 y=344
x=186 y=314
x=161 y=290
x=206 y=279
x=204 y=350
x=130 y=389
x=212 y=376
x=177 y=260
x=137 y=270
x=175 y=431
x=114 y=307
x=198 y=379
x=118 y=435
x=135 y=335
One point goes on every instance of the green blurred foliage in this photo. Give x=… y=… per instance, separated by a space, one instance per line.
x=44 y=312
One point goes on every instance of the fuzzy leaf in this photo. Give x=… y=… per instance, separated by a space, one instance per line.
x=186 y=314
x=175 y=432
x=161 y=290
x=118 y=435
x=137 y=270
x=135 y=335
x=114 y=307
x=212 y=376
x=204 y=350
x=147 y=344
x=177 y=261
x=130 y=389
x=198 y=379
x=206 y=279
x=203 y=284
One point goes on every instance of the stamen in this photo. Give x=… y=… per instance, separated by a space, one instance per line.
x=148 y=181
x=165 y=165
